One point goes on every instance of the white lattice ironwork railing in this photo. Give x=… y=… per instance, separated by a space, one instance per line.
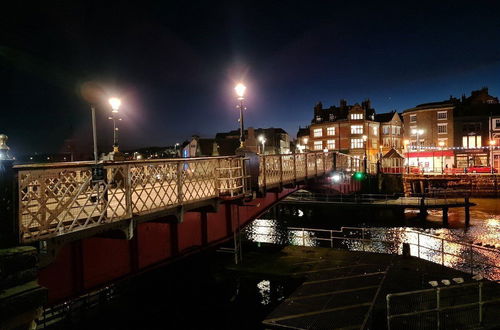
x=282 y=169
x=62 y=198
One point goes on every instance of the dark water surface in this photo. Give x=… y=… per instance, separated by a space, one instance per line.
x=199 y=293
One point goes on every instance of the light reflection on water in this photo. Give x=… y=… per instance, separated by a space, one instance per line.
x=274 y=227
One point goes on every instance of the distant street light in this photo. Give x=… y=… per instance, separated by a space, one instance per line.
x=240 y=91
x=263 y=140
x=115 y=106
x=418 y=132
x=365 y=160
x=441 y=144
x=305 y=140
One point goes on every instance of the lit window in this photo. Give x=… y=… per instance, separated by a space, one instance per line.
x=442 y=115
x=330 y=144
x=330 y=131
x=318 y=145
x=318 y=119
x=442 y=128
x=375 y=130
x=445 y=142
x=356 y=129
x=471 y=141
x=356 y=143
x=356 y=116
x=413 y=118
x=318 y=132
x=385 y=129
x=331 y=117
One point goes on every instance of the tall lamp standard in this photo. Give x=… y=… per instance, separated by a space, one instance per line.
x=240 y=91
x=492 y=145
x=441 y=145
x=115 y=106
x=365 y=160
x=262 y=140
x=94 y=132
x=418 y=132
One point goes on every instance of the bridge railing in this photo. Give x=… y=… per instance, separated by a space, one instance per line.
x=283 y=169
x=55 y=199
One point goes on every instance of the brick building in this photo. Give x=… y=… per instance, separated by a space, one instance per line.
x=455 y=132
x=350 y=129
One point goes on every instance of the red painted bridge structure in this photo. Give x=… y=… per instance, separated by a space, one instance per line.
x=91 y=224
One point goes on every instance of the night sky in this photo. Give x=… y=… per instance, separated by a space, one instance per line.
x=175 y=64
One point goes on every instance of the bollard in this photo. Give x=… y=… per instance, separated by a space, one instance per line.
x=406 y=250
x=9 y=226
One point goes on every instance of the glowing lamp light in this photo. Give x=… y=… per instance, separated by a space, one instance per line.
x=493 y=142
x=365 y=138
x=336 y=178
x=240 y=90
x=115 y=103
x=441 y=144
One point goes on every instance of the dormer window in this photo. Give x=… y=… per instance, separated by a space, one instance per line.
x=318 y=119
x=356 y=116
x=331 y=117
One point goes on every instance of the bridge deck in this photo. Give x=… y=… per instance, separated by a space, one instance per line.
x=380 y=202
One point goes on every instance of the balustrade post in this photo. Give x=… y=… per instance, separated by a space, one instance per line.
x=264 y=168
x=281 y=169
x=9 y=203
x=128 y=190
x=294 y=168
x=307 y=165
x=316 y=164
x=180 y=181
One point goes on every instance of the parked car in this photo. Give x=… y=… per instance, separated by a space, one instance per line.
x=481 y=169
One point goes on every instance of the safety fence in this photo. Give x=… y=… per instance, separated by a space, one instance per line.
x=462 y=256
x=461 y=306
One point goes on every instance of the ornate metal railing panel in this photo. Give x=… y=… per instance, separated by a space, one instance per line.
x=55 y=199
x=288 y=168
x=300 y=166
x=59 y=199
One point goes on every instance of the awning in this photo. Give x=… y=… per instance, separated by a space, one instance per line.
x=437 y=153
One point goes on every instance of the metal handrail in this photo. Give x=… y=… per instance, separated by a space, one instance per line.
x=367 y=239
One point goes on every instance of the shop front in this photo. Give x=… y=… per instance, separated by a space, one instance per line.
x=430 y=161
x=468 y=158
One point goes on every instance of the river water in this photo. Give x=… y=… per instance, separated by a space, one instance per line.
x=310 y=225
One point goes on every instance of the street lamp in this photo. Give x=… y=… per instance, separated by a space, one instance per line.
x=418 y=132
x=115 y=106
x=365 y=139
x=240 y=91
x=492 y=145
x=441 y=144
x=262 y=140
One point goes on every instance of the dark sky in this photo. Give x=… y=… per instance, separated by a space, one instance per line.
x=174 y=64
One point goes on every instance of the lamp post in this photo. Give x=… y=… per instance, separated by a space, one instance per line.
x=115 y=106
x=441 y=144
x=94 y=132
x=240 y=92
x=418 y=132
x=492 y=145
x=262 y=140
x=365 y=160
x=405 y=146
